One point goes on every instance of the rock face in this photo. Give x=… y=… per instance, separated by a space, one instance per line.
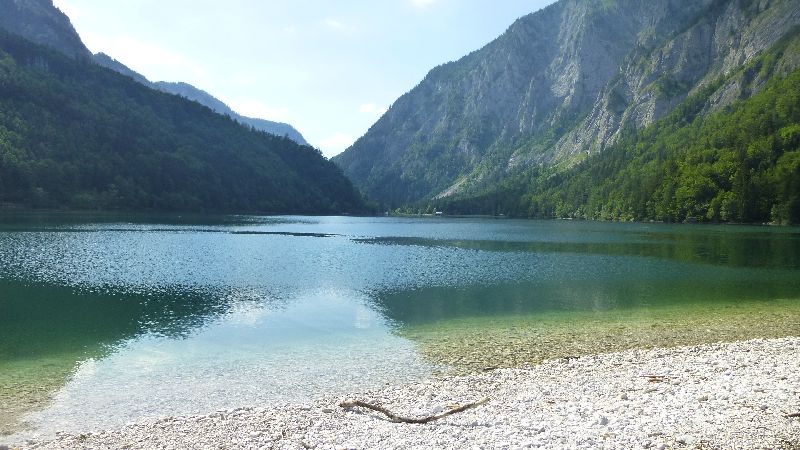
x=41 y=22
x=190 y=92
x=557 y=85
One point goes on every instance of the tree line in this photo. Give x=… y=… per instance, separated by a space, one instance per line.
x=75 y=135
x=741 y=164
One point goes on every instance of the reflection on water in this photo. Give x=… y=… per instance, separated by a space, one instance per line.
x=321 y=344
x=45 y=330
x=135 y=316
x=84 y=319
x=605 y=284
x=721 y=247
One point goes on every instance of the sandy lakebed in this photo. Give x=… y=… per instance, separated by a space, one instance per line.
x=742 y=395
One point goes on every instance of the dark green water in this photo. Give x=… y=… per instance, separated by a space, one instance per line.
x=106 y=319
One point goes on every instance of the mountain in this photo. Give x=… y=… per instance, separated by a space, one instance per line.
x=739 y=164
x=39 y=21
x=77 y=135
x=108 y=62
x=204 y=98
x=559 y=88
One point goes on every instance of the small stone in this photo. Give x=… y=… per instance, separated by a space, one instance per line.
x=685 y=439
x=603 y=420
x=702 y=398
x=624 y=396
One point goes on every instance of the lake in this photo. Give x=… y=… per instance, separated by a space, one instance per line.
x=107 y=319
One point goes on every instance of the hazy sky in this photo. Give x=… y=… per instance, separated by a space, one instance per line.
x=328 y=67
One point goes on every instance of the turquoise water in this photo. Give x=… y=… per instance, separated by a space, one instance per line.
x=106 y=319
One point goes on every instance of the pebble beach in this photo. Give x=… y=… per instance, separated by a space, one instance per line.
x=742 y=395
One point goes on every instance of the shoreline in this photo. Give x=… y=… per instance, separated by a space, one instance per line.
x=473 y=344
x=742 y=394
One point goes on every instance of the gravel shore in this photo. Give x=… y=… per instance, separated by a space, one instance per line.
x=741 y=395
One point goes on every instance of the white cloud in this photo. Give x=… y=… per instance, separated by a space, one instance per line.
x=246 y=80
x=371 y=108
x=339 y=26
x=155 y=62
x=422 y=3
x=336 y=143
x=68 y=8
x=334 y=24
x=259 y=110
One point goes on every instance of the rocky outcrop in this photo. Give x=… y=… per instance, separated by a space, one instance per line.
x=721 y=42
x=41 y=22
x=557 y=85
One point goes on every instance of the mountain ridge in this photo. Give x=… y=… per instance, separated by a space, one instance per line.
x=40 y=21
x=198 y=95
x=76 y=135
x=739 y=164
x=558 y=86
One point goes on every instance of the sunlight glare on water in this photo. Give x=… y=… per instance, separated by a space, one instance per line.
x=130 y=317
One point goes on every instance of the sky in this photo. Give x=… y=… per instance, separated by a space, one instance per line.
x=330 y=68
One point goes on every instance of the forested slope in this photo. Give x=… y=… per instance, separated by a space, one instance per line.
x=738 y=165
x=73 y=134
x=562 y=85
x=204 y=98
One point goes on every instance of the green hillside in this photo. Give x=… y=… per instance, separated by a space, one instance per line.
x=75 y=135
x=738 y=165
x=516 y=127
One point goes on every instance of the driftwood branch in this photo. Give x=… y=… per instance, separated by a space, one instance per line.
x=656 y=378
x=797 y=414
x=395 y=418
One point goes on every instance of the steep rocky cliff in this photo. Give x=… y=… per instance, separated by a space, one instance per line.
x=561 y=84
x=41 y=22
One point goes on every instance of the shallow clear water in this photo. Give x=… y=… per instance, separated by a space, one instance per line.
x=106 y=319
